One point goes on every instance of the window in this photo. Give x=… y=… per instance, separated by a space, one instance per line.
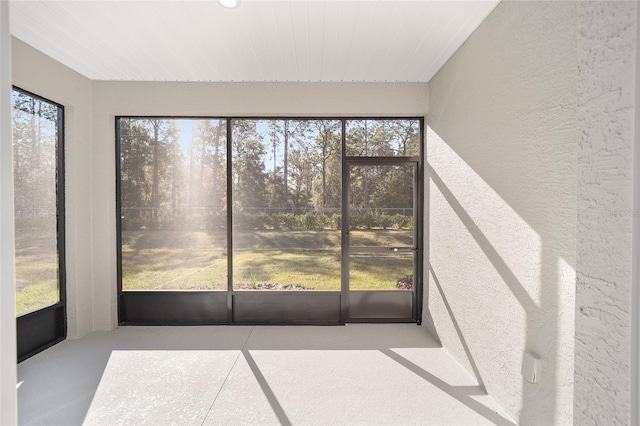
x=37 y=152
x=173 y=206
x=383 y=138
x=38 y=164
x=269 y=220
x=286 y=204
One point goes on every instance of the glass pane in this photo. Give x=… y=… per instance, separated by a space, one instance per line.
x=35 y=140
x=369 y=271
x=286 y=204
x=381 y=205
x=174 y=208
x=383 y=138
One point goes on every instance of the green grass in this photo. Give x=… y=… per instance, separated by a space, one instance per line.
x=373 y=272
x=36 y=270
x=163 y=268
x=36 y=296
x=155 y=260
x=317 y=269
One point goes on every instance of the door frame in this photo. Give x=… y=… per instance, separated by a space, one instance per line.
x=418 y=202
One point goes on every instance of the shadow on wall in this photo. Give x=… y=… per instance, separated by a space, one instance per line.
x=463 y=342
x=497 y=276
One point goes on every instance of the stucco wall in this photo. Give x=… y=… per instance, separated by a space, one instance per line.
x=501 y=152
x=213 y=99
x=606 y=57
x=8 y=373
x=635 y=308
x=39 y=74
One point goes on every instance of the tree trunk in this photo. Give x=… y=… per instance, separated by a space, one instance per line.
x=365 y=174
x=286 y=155
x=155 y=173
x=324 y=169
x=216 y=154
x=174 y=182
x=203 y=155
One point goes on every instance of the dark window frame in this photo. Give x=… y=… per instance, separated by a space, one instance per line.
x=43 y=328
x=149 y=300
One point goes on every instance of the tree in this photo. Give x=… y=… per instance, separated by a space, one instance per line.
x=211 y=184
x=151 y=166
x=328 y=145
x=134 y=154
x=302 y=168
x=248 y=165
x=35 y=134
x=394 y=188
x=285 y=130
x=405 y=134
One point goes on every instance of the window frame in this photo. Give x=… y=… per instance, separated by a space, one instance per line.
x=137 y=307
x=44 y=327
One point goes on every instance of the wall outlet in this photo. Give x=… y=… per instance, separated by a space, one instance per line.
x=532 y=367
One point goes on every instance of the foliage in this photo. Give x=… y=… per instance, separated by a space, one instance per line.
x=375 y=138
x=174 y=173
x=318 y=221
x=286 y=182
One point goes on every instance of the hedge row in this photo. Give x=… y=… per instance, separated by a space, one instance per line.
x=283 y=221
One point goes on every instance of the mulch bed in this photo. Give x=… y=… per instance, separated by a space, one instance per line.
x=270 y=286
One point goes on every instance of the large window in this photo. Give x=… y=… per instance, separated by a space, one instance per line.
x=37 y=155
x=286 y=204
x=38 y=165
x=269 y=220
x=173 y=196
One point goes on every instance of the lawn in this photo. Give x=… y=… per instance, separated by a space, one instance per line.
x=170 y=260
x=36 y=271
x=156 y=260
x=159 y=260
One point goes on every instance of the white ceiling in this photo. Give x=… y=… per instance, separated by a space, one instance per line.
x=259 y=40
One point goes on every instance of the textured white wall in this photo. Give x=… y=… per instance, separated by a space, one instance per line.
x=635 y=327
x=606 y=112
x=212 y=99
x=501 y=151
x=8 y=358
x=39 y=74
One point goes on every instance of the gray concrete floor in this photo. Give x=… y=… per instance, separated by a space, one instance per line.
x=357 y=374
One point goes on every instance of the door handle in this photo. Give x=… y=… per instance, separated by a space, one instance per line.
x=402 y=249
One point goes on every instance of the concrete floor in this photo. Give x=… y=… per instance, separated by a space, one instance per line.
x=357 y=374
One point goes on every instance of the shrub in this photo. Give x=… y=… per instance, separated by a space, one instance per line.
x=402 y=222
x=312 y=220
x=368 y=220
x=248 y=221
x=273 y=221
x=385 y=221
x=324 y=221
x=336 y=221
x=288 y=221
